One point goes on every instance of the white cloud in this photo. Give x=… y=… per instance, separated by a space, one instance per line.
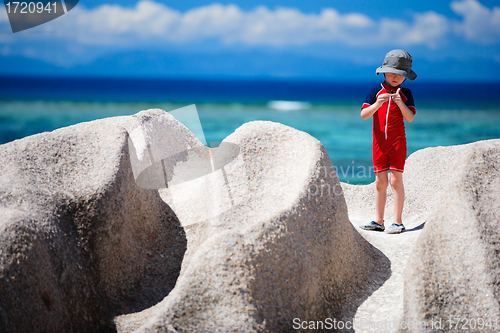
x=149 y=21
x=212 y=21
x=3 y=16
x=430 y=28
x=480 y=24
x=117 y=25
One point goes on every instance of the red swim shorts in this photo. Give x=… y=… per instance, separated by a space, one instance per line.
x=389 y=156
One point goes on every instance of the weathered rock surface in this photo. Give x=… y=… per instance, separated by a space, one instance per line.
x=449 y=268
x=79 y=242
x=454 y=270
x=285 y=249
x=384 y=309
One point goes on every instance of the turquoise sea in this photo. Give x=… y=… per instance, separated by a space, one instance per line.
x=447 y=113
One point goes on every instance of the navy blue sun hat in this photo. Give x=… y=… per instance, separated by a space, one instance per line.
x=398 y=62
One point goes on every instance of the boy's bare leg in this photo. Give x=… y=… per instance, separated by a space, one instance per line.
x=399 y=195
x=381 y=183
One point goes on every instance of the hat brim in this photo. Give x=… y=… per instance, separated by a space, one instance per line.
x=409 y=75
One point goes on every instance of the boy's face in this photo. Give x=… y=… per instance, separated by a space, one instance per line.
x=394 y=79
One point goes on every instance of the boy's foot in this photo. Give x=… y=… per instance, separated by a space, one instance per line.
x=395 y=229
x=373 y=226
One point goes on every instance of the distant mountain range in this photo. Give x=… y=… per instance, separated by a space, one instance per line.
x=242 y=64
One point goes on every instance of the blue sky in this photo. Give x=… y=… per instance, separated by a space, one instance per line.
x=319 y=40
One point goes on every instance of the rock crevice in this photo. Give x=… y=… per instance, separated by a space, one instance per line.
x=80 y=243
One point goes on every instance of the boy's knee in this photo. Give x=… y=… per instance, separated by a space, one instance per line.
x=381 y=183
x=396 y=182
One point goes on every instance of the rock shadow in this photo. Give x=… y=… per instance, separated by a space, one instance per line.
x=288 y=284
x=380 y=272
x=160 y=245
x=164 y=254
x=418 y=227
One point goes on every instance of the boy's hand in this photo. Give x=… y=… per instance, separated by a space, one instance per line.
x=396 y=97
x=382 y=98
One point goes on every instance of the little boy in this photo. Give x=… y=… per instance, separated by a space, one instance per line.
x=389 y=104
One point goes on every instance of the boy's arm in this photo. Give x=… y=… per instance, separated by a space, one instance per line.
x=407 y=113
x=370 y=110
